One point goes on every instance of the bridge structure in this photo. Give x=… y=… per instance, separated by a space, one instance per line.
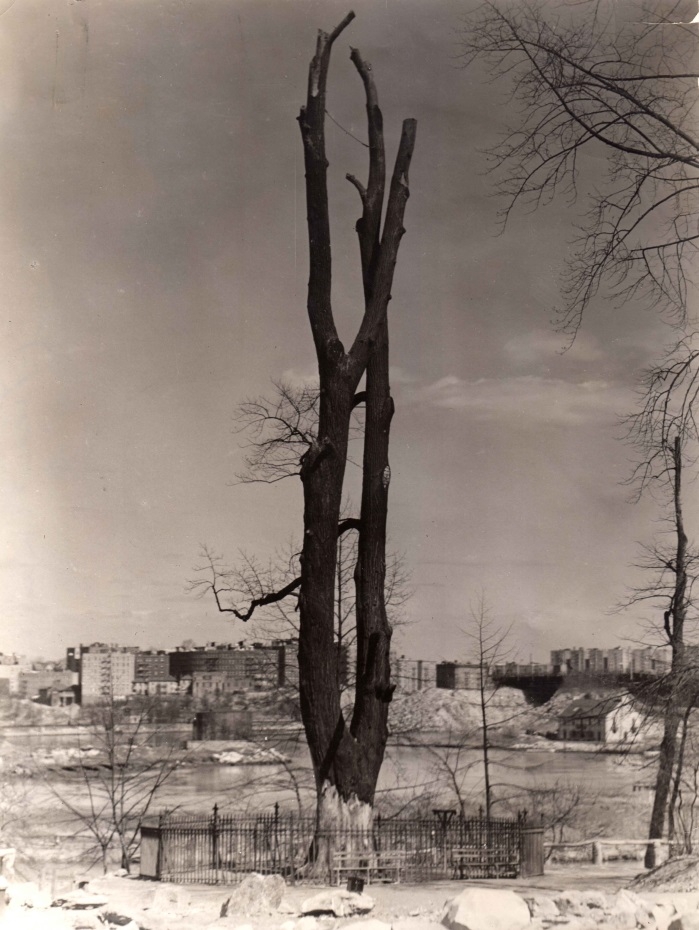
x=538 y=682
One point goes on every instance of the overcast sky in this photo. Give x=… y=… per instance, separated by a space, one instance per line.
x=153 y=264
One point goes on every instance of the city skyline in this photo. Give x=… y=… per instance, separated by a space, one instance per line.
x=154 y=263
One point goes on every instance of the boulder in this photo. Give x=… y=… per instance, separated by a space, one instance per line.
x=7 y=862
x=86 y=920
x=582 y=903
x=171 y=898
x=542 y=906
x=687 y=921
x=662 y=915
x=255 y=895
x=486 y=909
x=338 y=902
x=113 y=919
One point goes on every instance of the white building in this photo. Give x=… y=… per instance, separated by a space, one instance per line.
x=106 y=674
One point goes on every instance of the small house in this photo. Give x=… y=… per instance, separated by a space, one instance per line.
x=601 y=720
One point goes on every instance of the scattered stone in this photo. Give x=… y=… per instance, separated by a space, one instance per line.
x=486 y=909
x=338 y=902
x=77 y=900
x=255 y=895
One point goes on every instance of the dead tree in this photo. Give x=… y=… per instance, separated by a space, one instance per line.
x=623 y=86
x=346 y=753
x=663 y=432
x=489 y=648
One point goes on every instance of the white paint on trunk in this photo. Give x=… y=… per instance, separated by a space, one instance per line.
x=338 y=813
x=343 y=826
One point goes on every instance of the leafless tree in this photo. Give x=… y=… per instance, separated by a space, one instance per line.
x=346 y=753
x=115 y=787
x=664 y=435
x=593 y=78
x=248 y=579
x=490 y=647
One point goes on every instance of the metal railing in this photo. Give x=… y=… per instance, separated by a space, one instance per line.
x=224 y=847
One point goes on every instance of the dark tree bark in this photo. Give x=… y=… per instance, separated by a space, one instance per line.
x=662 y=431
x=347 y=759
x=674 y=620
x=346 y=756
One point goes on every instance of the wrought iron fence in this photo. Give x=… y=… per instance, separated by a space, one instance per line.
x=224 y=847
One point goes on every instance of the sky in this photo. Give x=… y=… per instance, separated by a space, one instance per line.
x=153 y=265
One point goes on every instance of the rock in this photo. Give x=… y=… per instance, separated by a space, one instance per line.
x=87 y=920
x=288 y=925
x=687 y=921
x=112 y=919
x=76 y=900
x=338 y=902
x=255 y=895
x=171 y=898
x=541 y=906
x=662 y=915
x=7 y=862
x=486 y=909
x=582 y=903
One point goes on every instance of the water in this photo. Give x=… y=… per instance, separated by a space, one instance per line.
x=435 y=775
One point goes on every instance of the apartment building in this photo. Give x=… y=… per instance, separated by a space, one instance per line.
x=106 y=672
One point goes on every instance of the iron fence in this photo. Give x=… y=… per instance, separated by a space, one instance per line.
x=222 y=848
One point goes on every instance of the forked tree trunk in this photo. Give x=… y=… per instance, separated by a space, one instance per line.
x=347 y=759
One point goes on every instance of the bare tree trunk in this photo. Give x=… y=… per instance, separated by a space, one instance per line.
x=346 y=761
x=486 y=740
x=677 y=781
x=674 y=621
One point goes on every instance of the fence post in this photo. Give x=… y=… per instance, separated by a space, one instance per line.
x=214 y=842
x=292 y=851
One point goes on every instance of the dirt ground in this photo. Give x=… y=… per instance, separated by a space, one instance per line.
x=392 y=902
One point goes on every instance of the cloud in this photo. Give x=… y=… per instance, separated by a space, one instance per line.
x=530 y=397
x=542 y=345
x=300 y=378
